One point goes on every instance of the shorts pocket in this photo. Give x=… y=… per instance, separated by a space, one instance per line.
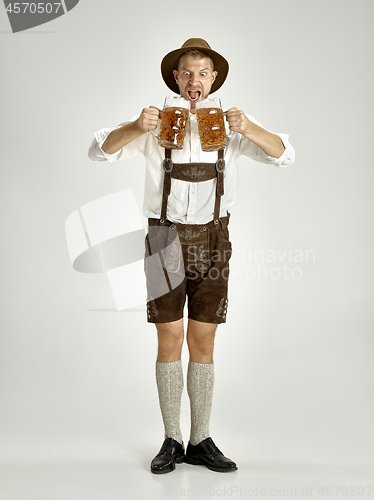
x=225 y=244
x=224 y=232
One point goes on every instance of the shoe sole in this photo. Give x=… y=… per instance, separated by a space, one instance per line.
x=172 y=467
x=195 y=461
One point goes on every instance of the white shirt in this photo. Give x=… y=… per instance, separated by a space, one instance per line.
x=189 y=202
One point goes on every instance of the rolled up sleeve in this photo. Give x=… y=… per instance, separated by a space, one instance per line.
x=286 y=158
x=96 y=153
x=250 y=149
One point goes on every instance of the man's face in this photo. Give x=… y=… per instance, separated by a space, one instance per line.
x=194 y=77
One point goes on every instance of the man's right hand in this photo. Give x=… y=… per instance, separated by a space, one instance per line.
x=148 y=118
x=120 y=137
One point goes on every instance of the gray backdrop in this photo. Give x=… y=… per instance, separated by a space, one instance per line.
x=293 y=402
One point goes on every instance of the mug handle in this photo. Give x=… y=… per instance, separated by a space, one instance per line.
x=230 y=131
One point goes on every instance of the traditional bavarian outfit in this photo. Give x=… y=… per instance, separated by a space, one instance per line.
x=197 y=254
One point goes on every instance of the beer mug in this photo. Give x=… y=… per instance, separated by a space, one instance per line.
x=174 y=118
x=211 y=124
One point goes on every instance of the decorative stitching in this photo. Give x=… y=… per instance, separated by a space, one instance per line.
x=189 y=234
x=173 y=255
x=151 y=309
x=193 y=173
x=222 y=308
x=203 y=260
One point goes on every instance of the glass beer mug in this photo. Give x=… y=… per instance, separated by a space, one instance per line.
x=174 y=118
x=211 y=125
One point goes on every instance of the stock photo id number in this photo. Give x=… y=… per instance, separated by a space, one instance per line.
x=25 y=15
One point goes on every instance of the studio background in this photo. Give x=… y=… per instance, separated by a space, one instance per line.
x=293 y=400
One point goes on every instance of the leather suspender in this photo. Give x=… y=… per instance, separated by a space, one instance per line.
x=192 y=172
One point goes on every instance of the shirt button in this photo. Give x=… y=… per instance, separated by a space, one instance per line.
x=193 y=192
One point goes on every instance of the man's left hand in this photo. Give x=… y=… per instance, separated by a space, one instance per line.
x=237 y=120
x=270 y=143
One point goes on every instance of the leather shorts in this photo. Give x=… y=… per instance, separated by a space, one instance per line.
x=187 y=261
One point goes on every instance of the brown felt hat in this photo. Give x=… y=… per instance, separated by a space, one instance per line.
x=170 y=62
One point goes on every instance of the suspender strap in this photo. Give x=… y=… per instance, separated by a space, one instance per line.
x=220 y=167
x=167 y=165
x=192 y=172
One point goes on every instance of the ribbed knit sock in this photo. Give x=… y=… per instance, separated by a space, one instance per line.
x=200 y=382
x=169 y=379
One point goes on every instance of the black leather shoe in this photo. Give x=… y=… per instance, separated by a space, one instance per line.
x=171 y=453
x=206 y=453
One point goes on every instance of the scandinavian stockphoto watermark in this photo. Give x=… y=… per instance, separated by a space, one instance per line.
x=238 y=491
x=250 y=263
x=25 y=15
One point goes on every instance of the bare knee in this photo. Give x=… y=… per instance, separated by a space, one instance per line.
x=200 y=340
x=170 y=341
x=201 y=351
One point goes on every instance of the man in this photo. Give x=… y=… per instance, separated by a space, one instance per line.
x=197 y=211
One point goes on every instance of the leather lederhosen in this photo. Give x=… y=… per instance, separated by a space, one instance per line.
x=185 y=253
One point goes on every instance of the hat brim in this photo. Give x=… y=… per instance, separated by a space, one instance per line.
x=170 y=61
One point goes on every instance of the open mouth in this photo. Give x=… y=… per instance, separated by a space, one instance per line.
x=193 y=95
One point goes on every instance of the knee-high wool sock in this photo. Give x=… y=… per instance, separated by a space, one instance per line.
x=200 y=382
x=169 y=378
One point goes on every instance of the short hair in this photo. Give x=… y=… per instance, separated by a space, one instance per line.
x=196 y=53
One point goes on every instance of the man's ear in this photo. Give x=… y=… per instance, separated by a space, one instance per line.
x=175 y=73
x=215 y=73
